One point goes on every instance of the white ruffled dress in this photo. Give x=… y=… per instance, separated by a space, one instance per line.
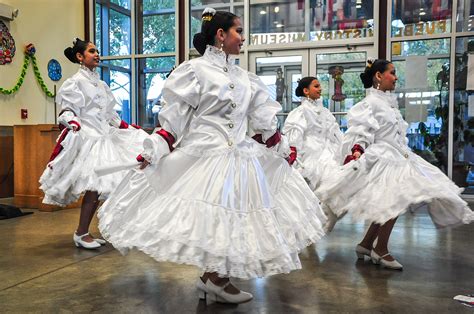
x=388 y=177
x=220 y=200
x=88 y=101
x=313 y=131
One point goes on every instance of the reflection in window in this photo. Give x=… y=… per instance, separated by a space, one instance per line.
x=348 y=19
x=463 y=135
x=276 y=17
x=117 y=74
x=151 y=78
x=423 y=83
x=411 y=18
x=156 y=27
x=339 y=76
x=281 y=75
x=465 y=17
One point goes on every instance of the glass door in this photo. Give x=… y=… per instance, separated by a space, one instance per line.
x=338 y=72
x=280 y=72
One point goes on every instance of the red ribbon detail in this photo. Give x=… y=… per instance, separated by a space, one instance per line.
x=140 y=158
x=123 y=125
x=357 y=148
x=76 y=124
x=272 y=141
x=58 y=147
x=292 y=158
x=168 y=138
x=348 y=159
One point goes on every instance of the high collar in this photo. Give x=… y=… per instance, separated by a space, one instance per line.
x=316 y=102
x=218 y=56
x=93 y=75
x=388 y=96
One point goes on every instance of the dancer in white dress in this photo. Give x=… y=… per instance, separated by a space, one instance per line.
x=382 y=177
x=216 y=198
x=314 y=134
x=92 y=135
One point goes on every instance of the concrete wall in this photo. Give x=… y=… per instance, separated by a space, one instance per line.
x=51 y=26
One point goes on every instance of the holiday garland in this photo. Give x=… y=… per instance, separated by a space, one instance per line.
x=29 y=55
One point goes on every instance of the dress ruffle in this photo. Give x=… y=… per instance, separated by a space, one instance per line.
x=378 y=189
x=72 y=172
x=232 y=213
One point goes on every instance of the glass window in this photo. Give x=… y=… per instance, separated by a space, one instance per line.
x=119 y=33
x=341 y=19
x=465 y=17
x=411 y=18
x=117 y=74
x=339 y=76
x=463 y=135
x=151 y=77
x=422 y=89
x=122 y=3
x=112 y=28
x=155 y=33
x=276 y=17
x=281 y=75
x=156 y=30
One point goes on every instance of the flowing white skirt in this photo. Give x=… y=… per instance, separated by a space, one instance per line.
x=72 y=171
x=240 y=212
x=383 y=184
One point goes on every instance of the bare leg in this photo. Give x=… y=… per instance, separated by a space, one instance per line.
x=382 y=243
x=370 y=236
x=219 y=281
x=88 y=208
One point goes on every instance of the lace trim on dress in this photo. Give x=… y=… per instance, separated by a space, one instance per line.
x=218 y=56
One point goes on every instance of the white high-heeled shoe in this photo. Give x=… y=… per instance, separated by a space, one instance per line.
x=362 y=251
x=202 y=289
x=87 y=245
x=378 y=260
x=100 y=241
x=218 y=294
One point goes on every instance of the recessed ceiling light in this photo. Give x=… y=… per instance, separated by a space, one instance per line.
x=276 y=9
x=279 y=25
x=422 y=13
x=263 y=12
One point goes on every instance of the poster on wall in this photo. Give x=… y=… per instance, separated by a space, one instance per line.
x=7 y=45
x=416 y=72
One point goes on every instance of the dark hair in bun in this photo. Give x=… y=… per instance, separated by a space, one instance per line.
x=302 y=84
x=379 y=65
x=210 y=25
x=78 y=46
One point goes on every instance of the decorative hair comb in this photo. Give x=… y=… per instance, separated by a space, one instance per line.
x=74 y=41
x=208 y=14
x=370 y=61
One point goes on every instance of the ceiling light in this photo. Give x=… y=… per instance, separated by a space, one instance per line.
x=358 y=6
x=422 y=13
x=263 y=12
x=276 y=9
x=279 y=25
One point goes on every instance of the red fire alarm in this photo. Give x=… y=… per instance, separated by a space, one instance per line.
x=24 y=113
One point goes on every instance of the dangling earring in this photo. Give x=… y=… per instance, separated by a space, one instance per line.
x=378 y=85
x=222 y=45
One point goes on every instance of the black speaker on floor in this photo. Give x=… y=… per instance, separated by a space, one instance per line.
x=7 y=211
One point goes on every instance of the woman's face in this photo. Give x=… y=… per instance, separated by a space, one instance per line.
x=313 y=91
x=388 y=78
x=90 y=58
x=233 y=38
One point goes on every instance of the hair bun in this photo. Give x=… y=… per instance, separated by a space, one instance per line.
x=200 y=43
x=69 y=53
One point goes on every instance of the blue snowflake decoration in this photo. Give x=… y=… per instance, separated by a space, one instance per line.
x=54 y=70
